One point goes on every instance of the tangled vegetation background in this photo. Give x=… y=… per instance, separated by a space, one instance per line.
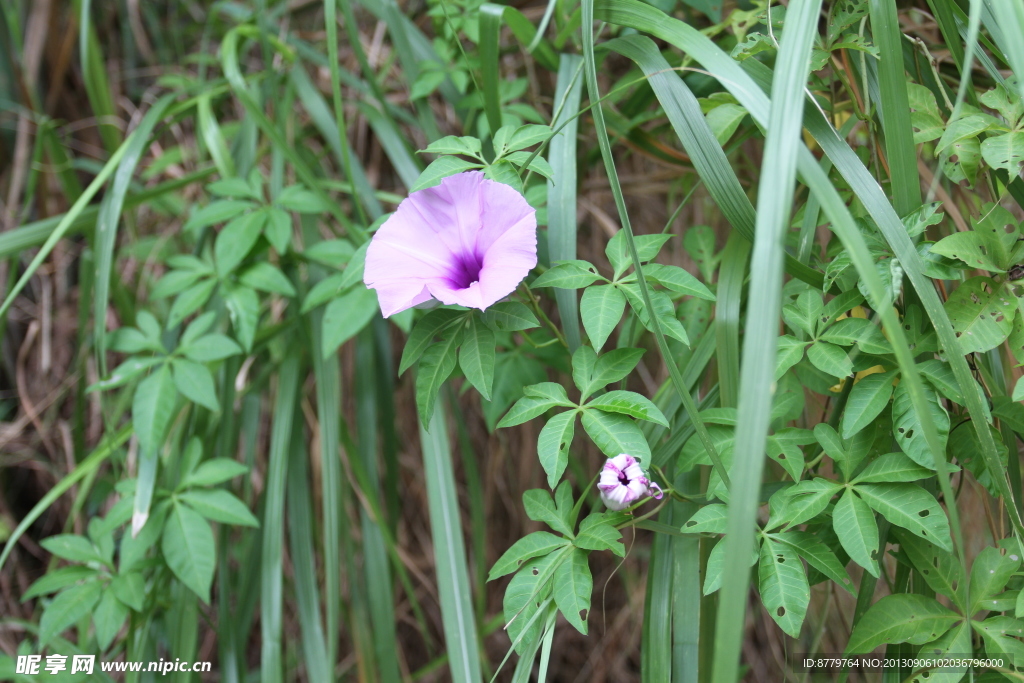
x=780 y=266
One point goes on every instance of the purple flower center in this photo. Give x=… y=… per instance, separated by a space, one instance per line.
x=623 y=479
x=466 y=270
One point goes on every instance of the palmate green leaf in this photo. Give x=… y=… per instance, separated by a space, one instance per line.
x=716 y=565
x=941 y=571
x=710 y=519
x=855 y=525
x=244 y=307
x=805 y=313
x=784 y=448
x=476 y=356
x=992 y=569
x=817 y=554
x=553 y=445
x=213 y=472
x=528 y=547
x=602 y=536
x=216 y=212
x=189 y=550
x=1001 y=637
x=219 y=505
x=911 y=507
x=266 y=278
x=974 y=248
x=236 y=239
x=982 y=314
x=892 y=467
x=195 y=383
x=535 y=404
x=924 y=114
x=572 y=585
x=72 y=548
x=130 y=589
x=611 y=367
x=830 y=359
x=647 y=247
x=67 y=608
x=907 y=424
x=525 y=593
x=210 y=347
x=783 y=585
x=423 y=334
x=510 y=316
x=629 y=403
x=901 y=618
x=57 y=579
x=107 y=619
x=678 y=280
x=190 y=301
x=346 y=316
x=441 y=168
x=540 y=507
x=664 y=310
x=601 y=309
x=864 y=334
x=801 y=502
x=572 y=274
x=615 y=434
x=867 y=400
x=436 y=365
x=791 y=352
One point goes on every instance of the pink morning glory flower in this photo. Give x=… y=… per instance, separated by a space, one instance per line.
x=623 y=483
x=468 y=241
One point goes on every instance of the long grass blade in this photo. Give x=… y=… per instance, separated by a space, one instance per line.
x=460 y=632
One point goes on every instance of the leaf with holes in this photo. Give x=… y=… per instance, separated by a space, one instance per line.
x=940 y=570
x=710 y=519
x=911 y=507
x=818 y=555
x=553 y=445
x=784 y=448
x=1001 y=635
x=925 y=118
x=906 y=424
x=572 y=587
x=855 y=525
x=991 y=570
x=974 y=248
x=901 y=618
x=1005 y=151
x=530 y=546
x=783 y=585
x=801 y=502
x=525 y=593
x=982 y=314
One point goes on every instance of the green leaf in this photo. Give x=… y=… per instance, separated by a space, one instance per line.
x=299 y=199
x=441 y=168
x=525 y=593
x=791 y=352
x=216 y=212
x=940 y=570
x=540 y=507
x=716 y=562
x=710 y=519
x=868 y=398
x=981 y=313
x=911 y=507
x=510 y=316
x=57 y=579
x=611 y=367
x=583 y=361
x=153 y=408
x=901 y=618
x=423 y=334
x=1005 y=151
x=209 y=348
x=629 y=403
x=907 y=424
x=572 y=274
x=195 y=383
x=572 y=586
x=601 y=309
x=189 y=550
x=215 y=471
x=602 y=536
x=107 y=619
x=664 y=311
x=830 y=359
x=451 y=144
x=677 y=280
x=67 y=608
x=818 y=555
x=867 y=336
x=174 y=282
x=532 y=406
x=784 y=447
x=244 y=307
x=190 y=300
x=647 y=247
x=72 y=548
x=553 y=445
x=332 y=253
x=973 y=248
x=476 y=357
x=615 y=434
x=803 y=501
x=1001 y=637
x=346 y=316
x=266 y=278
x=278 y=229
x=855 y=525
x=783 y=585
x=236 y=239
x=233 y=187
x=892 y=467
x=532 y=545
x=220 y=506
x=436 y=366
x=130 y=589
x=805 y=312
x=992 y=569
x=924 y=114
